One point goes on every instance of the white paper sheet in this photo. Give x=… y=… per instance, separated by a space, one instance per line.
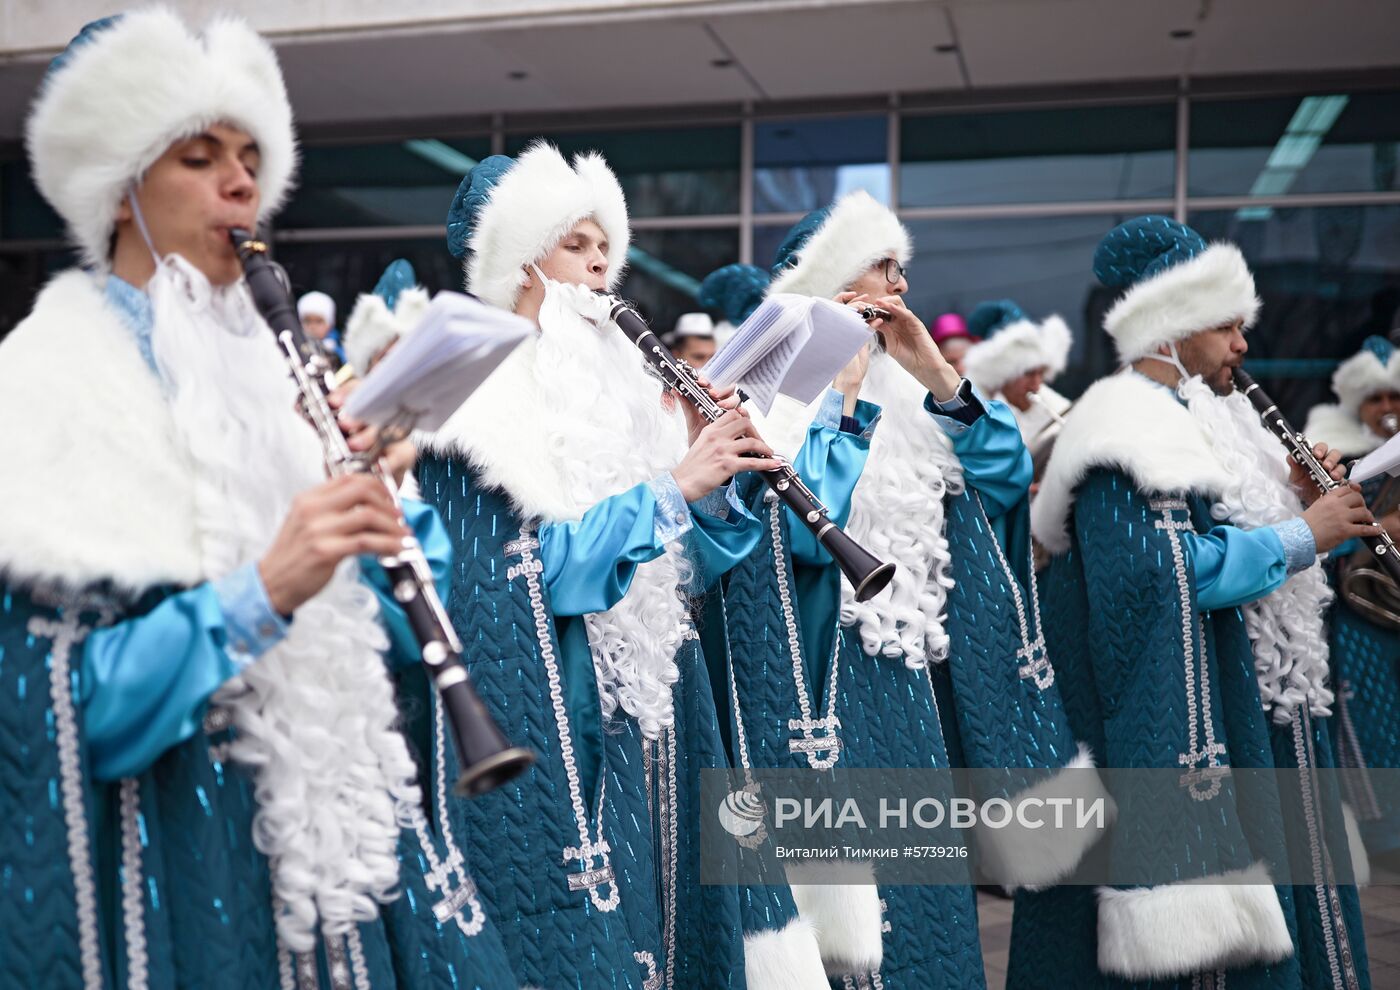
x=793 y=345
x=1385 y=459
x=432 y=370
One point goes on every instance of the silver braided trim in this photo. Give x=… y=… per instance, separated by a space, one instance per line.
x=456 y=863
x=307 y=977
x=669 y=839
x=138 y=965
x=652 y=981
x=337 y=963
x=64 y=634
x=1203 y=783
x=809 y=744
x=358 y=966
x=286 y=972
x=1033 y=661
x=1339 y=955
x=588 y=848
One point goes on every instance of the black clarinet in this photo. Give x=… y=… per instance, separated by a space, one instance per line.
x=866 y=572
x=486 y=758
x=1386 y=552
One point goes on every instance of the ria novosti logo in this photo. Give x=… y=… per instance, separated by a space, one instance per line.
x=741 y=813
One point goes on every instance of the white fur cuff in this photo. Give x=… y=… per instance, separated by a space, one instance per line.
x=845 y=916
x=1233 y=919
x=1016 y=856
x=783 y=959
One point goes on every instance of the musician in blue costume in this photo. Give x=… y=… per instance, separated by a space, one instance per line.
x=586 y=506
x=204 y=783
x=1014 y=362
x=1365 y=641
x=1184 y=607
x=923 y=674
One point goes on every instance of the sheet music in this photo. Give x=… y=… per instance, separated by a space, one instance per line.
x=432 y=370
x=1385 y=459
x=791 y=344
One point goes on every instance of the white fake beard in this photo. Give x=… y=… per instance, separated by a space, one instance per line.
x=608 y=431
x=897 y=513
x=315 y=716
x=1285 y=627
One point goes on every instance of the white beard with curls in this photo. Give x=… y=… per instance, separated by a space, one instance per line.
x=897 y=513
x=315 y=716
x=608 y=438
x=1285 y=627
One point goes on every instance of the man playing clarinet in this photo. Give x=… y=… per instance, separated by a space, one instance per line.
x=204 y=781
x=1184 y=606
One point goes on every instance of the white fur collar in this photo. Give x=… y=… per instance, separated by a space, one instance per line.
x=95 y=485
x=503 y=432
x=1334 y=426
x=1132 y=424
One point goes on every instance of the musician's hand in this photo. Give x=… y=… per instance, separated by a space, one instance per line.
x=1338 y=516
x=1303 y=482
x=907 y=340
x=718 y=454
x=1391 y=522
x=343 y=517
x=399 y=456
x=850 y=378
x=727 y=398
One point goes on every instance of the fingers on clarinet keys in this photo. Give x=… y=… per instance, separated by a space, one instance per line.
x=1338 y=516
x=723 y=449
x=340 y=518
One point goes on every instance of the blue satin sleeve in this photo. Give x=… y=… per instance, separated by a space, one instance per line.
x=589 y=563
x=1235 y=566
x=830 y=462
x=427 y=526
x=146 y=681
x=994 y=457
x=723 y=533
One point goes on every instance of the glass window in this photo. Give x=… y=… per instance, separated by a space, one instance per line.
x=1044 y=264
x=665 y=268
x=1023 y=156
x=664 y=171
x=344 y=269
x=1328 y=276
x=1323 y=142
x=24 y=214
x=803 y=164
x=377 y=185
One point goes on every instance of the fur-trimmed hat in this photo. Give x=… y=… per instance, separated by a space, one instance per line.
x=828 y=249
x=510 y=212
x=384 y=315
x=1176 y=285
x=1374 y=368
x=1013 y=345
x=126 y=89
x=734 y=290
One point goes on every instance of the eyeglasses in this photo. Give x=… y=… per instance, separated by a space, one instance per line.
x=894 y=271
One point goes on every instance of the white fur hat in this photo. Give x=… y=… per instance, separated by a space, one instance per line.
x=128 y=88
x=509 y=213
x=1374 y=368
x=828 y=249
x=317 y=304
x=1012 y=345
x=1176 y=284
